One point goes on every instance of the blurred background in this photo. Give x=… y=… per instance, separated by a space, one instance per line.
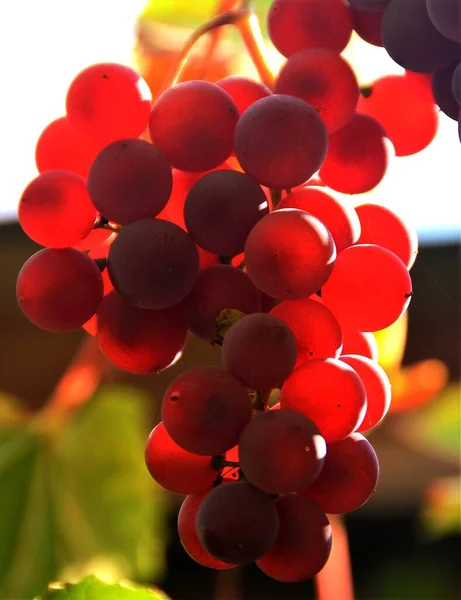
x=75 y=496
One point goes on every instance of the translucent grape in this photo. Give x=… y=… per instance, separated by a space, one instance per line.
x=377 y=388
x=426 y=49
x=316 y=329
x=97 y=239
x=176 y=469
x=218 y=287
x=221 y=209
x=360 y=342
x=193 y=124
x=442 y=88
x=367 y=24
x=174 y=209
x=338 y=217
x=130 y=180
x=153 y=263
x=303 y=543
x=383 y=227
x=446 y=17
x=55 y=209
x=260 y=351
x=348 y=478
x=281 y=451
x=59 y=290
x=369 y=289
x=289 y=254
x=243 y=90
x=280 y=141
x=138 y=340
x=389 y=100
x=297 y=24
x=108 y=102
x=237 y=523
x=357 y=156
x=188 y=534
x=329 y=393
x=323 y=79
x=205 y=409
x=61 y=146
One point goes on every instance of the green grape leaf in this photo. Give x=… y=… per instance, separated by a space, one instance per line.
x=79 y=500
x=92 y=588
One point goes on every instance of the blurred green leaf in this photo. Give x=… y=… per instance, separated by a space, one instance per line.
x=92 y=588
x=79 y=499
x=441 y=511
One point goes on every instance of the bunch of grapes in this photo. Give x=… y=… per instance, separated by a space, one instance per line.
x=211 y=211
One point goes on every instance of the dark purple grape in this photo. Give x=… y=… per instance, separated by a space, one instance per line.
x=412 y=40
x=279 y=450
x=218 y=287
x=260 y=351
x=456 y=84
x=370 y=5
x=129 y=180
x=303 y=543
x=205 y=410
x=442 y=89
x=153 y=263
x=446 y=17
x=237 y=523
x=221 y=209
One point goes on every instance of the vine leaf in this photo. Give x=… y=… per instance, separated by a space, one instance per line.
x=92 y=588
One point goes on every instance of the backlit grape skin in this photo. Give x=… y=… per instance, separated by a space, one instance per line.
x=276 y=252
x=176 y=469
x=237 y=523
x=329 y=393
x=243 y=90
x=55 y=209
x=139 y=340
x=280 y=451
x=153 y=263
x=304 y=541
x=193 y=124
x=280 y=141
x=205 y=409
x=59 y=289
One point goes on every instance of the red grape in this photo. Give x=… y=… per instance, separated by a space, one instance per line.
x=408 y=117
x=55 y=209
x=221 y=209
x=369 y=5
x=357 y=156
x=138 y=340
x=445 y=15
x=96 y=240
x=367 y=24
x=348 y=478
x=328 y=392
x=188 y=534
x=297 y=24
x=303 y=543
x=289 y=254
x=59 y=290
x=377 y=388
x=456 y=84
x=383 y=227
x=338 y=217
x=153 y=263
x=243 y=90
x=369 y=289
x=423 y=50
x=260 y=351
x=237 y=523
x=281 y=451
x=316 y=330
x=442 y=89
x=176 y=469
x=323 y=79
x=218 y=287
x=205 y=410
x=108 y=102
x=360 y=342
x=193 y=124
x=280 y=141
x=129 y=180
x=61 y=146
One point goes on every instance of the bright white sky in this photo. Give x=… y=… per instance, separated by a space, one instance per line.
x=45 y=43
